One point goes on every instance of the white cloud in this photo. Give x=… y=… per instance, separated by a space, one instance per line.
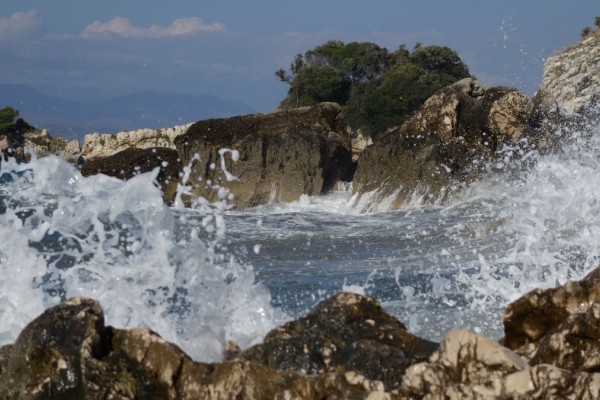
x=120 y=26
x=21 y=24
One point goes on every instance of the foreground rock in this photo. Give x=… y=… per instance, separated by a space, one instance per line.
x=68 y=353
x=446 y=143
x=346 y=348
x=282 y=155
x=347 y=330
x=130 y=162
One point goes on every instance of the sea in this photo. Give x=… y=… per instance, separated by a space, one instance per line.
x=206 y=275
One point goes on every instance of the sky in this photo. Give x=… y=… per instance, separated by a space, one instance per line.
x=231 y=48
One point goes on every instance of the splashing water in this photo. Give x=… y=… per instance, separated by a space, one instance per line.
x=183 y=274
x=64 y=235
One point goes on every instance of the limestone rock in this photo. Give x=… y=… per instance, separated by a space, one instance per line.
x=281 y=155
x=558 y=326
x=22 y=138
x=132 y=161
x=469 y=366
x=346 y=330
x=96 y=145
x=68 y=353
x=446 y=143
x=571 y=79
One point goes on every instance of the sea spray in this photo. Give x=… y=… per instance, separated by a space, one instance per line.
x=115 y=241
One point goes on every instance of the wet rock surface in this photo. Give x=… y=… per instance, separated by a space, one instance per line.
x=346 y=330
x=446 y=143
x=345 y=348
x=133 y=161
x=282 y=155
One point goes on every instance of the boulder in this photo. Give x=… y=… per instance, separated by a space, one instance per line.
x=347 y=330
x=69 y=353
x=558 y=326
x=132 y=161
x=445 y=144
x=280 y=156
x=469 y=366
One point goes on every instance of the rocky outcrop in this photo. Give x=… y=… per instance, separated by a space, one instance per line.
x=446 y=143
x=69 y=353
x=347 y=330
x=571 y=81
x=132 y=161
x=469 y=366
x=280 y=156
x=97 y=145
x=345 y=348
x=21 y=138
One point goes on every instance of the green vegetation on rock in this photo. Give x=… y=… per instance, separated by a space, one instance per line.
x=7 y=118
x=377 y=88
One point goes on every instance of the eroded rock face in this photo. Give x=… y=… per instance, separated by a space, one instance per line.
x=68 y=353
x=446 y=143
x=130 y=162
x=22 y=137
x=571 y=80
x=346 y=330
x=469 y=366
x=99 y=145
x=558 y=326
x=281 y=155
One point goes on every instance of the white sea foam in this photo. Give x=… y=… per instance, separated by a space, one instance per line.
x=63 y=235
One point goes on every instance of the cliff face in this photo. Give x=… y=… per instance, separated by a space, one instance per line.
x=281 y=155
x=446 y=142
x=571 y=80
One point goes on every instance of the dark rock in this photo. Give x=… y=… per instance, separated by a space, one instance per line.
x=68 y=353
x=446 y=143
x=281 y=155
x=346 y=330
x=130 y=162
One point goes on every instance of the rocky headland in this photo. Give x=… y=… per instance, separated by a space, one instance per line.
x=347 y=347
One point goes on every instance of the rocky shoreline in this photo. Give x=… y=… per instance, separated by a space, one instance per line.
x=456 y=137
x=347 y=347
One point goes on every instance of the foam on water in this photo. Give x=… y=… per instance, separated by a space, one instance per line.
x=64 y=235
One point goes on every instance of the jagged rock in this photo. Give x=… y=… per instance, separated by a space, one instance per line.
x=469 y=366
x=281 y=155
x=558 y=326
x=446 y=143
x=97 y=145
x=346 y=330
x=68 y=353
x=132 y=161
x=571 y=80
x=359 y=143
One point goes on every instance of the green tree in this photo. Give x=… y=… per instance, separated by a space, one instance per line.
x=376 y=88
x=318 y=83
x=440 y=60
x=585 y=32
x=8 y=115
x=597 y=21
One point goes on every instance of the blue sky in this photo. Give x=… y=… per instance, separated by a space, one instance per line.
x=231 y=48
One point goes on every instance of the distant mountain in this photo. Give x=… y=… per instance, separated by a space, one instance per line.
x=143 y=109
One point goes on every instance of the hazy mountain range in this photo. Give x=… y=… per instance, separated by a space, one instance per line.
x=143 y=109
